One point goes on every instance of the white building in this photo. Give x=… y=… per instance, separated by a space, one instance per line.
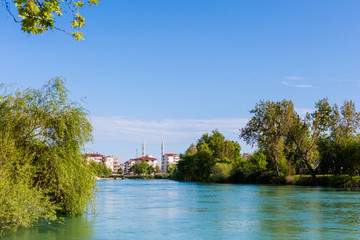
x=112 y=163
x=167 y=159
x=108 y=161
x=96 y=157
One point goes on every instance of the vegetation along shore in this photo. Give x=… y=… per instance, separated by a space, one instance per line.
x=320 y=148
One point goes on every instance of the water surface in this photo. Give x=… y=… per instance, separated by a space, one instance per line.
x=164 y=209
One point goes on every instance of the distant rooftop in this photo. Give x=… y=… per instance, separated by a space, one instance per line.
x=144 y=158
x=171 y=154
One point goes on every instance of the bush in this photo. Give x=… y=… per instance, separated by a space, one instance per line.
x=221 y=172
x=271 y=177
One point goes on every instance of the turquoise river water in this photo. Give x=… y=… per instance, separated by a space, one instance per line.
x=164 y=209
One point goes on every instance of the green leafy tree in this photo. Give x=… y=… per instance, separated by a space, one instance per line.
x=191 y=150
x=37 y=16
x=344 y=126
x=140 y=168
x=268 y=127
x=351 y=156
x=120 y=171
x=210 y=149
x=157 y=169
x=258 y=159
x=221 y=172
x=22 y=203
x=306 y=133
x=49 y=131
x=221 y=149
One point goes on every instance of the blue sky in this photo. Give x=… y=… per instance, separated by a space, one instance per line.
x=172 y=70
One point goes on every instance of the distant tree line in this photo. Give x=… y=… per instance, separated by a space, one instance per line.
x=325 y=141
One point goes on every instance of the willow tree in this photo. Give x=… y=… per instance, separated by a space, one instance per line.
x=37 y=16
x=48 y=131
x=268 y=127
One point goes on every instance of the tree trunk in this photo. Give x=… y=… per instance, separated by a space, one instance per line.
x=312 y=171
x=276 y=164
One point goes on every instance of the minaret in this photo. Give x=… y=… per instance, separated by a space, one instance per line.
x=162 y=150
x=143 y=149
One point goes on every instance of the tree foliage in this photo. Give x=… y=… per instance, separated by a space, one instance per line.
x=198 y=164
x=47 y=131
x=268 y=127
x=341 y=141
x=37 y=16
x=100 y=169
x=306 y=133
x=141 y=168
x=325 y=141
x=120 y=171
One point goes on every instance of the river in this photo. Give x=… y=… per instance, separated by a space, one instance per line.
x=164 y=209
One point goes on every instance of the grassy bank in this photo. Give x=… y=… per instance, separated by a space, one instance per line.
x=304 y=180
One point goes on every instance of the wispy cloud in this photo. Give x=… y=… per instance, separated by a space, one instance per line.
x=344 y=80
x=296 y=85
x=127 y=129
x=293 y=81
x=294 y=78
x=302 y=111
x=303 y=86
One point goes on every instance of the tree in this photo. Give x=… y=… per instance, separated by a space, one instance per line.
x=191 y=150
x=305 y=133
x=48 y=132
x=120 y=171
x=268 y=127
x=140 y=168
x=38 y=16
x=221 y=149
x=344 y=125
x=198 y=164
x=157 y=169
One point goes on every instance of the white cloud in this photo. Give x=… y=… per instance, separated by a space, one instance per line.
x=303 y=86
x=303 y=111
x=120 y=128
x=345 y=80
x=294 y=78
x=286 y=83
x=291 y=82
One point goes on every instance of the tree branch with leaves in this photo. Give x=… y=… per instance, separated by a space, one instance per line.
x=37 y=16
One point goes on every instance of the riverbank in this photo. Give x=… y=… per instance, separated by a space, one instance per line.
x=343 y=181
x=116 y=177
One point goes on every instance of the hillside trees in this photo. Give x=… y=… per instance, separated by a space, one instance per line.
x=47 y=131
x=37 y=16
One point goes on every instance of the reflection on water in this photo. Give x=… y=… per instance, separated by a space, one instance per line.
x=163 y=209
x=80 y=227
